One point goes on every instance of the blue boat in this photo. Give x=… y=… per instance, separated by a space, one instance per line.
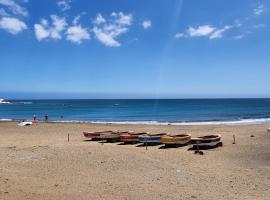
x=151 y=138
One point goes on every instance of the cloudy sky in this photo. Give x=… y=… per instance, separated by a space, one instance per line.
x=134 y=49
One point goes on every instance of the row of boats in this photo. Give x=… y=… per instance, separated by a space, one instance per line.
x=146 y=138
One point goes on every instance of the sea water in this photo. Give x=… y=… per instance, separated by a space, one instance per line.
x=142 y=111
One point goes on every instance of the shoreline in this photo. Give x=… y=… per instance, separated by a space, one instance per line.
x=259 y=121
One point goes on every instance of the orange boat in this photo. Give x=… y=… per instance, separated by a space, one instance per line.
x=175 y=139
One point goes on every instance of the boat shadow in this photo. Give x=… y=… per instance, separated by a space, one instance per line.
x=109 y=141
x=128 y=143
x=148 y=144
x=173 y=146
x=194 y=147
x=91 y=140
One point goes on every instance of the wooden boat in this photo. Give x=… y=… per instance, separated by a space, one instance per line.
x=151 y=138
x=175 y=139
x=131 y=137
x=207 y=140
x=112 y=136
x=95 y=135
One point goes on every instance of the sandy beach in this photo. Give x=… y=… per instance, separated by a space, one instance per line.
x=37 y=162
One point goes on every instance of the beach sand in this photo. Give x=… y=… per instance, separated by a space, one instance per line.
x=37 y=162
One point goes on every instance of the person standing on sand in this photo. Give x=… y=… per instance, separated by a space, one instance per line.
x=46 y=118
x=34 y=118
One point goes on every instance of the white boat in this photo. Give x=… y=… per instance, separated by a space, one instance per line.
x=25 y=123
x=2 y=101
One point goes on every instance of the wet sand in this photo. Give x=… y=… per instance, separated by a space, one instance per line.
x=37 y=162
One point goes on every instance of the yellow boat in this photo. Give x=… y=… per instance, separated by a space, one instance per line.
x=176 y=138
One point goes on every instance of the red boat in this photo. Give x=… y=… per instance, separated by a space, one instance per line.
x=131 y=137
x=112 y=136
x=95 y=135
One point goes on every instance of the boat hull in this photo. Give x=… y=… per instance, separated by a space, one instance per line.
x=209 y=144
x=207 y=141
x=149 y=139
x=129 y=138
x=110 y=137
x=94 y=135
x=175 y=139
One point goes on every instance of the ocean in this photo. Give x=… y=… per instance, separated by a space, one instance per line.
x=142 y=111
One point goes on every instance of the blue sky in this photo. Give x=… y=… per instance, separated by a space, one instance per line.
x=134 y=49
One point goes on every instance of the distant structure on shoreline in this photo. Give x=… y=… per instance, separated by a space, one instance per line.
x=2 y=101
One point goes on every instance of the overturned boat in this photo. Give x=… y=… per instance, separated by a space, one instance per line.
x=151 y=138
x=207 y=140
x=173 y=139
x=131 y=136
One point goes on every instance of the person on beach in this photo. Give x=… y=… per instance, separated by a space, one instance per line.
x=46 y=118
x=35 y=121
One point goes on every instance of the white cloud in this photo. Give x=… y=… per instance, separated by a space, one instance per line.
x=260 y=26
x=76 y=34
x=122 y=19
x=14 y=7
x=3 y=12
x=238 y=37
x=218 y=33
x=76 y=19
x=59 y=25
x=64 y=4
x=40 y=32
x=209 y=31
x=105 y=38
x=54 y=31
x=108 y=30
x=205 y=30
x=259 y=10
x=146 y=24
x=12 y=25
x=238 y=23
x=179 y=35
x=99 y=19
